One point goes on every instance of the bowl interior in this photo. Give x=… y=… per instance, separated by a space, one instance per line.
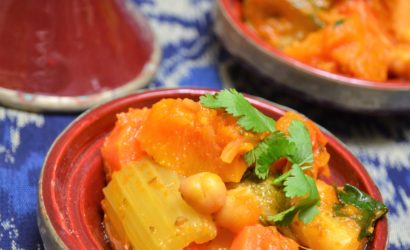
x=233 y=8
x=73 y=175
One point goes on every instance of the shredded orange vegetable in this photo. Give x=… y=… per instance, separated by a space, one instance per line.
x=357 y=38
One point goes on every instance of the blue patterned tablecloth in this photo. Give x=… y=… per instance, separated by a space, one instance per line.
x=192 y=56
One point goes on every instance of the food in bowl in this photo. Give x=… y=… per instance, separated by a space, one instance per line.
x=357 y=38
x=219 y=174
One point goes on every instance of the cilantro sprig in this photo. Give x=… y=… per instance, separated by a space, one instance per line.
x=296 y=183
x=300 y=185
x=235 y=104
x=268 y=151
x=296 y=147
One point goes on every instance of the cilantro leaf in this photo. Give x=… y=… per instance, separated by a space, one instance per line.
x=309 y=206
x=268 y=151
x=308 y=213
x=297 y=148
x=370 y=209
x=235 y=104
x=283 y=218
x=300 y=136
x=298 y=184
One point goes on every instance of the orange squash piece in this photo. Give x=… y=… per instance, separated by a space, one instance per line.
x=182 y=135
x=121 y=146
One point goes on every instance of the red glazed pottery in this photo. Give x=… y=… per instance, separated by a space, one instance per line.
x=72 y=178
x=71 y=54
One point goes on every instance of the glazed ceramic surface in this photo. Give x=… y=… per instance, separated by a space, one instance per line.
x=72 y=178
x=341 y=91
x=66 y=55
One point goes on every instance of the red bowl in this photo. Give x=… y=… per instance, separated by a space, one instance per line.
x=72 y=178
x=342 y=91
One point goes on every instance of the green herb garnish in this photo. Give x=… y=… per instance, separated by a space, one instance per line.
x=299 y=135
x=370 y=209
x=338 y=22
x=296 y=147
x=235 y=104
x=298 y=184
x=268 y=151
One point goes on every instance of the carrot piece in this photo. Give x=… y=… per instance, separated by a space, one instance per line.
x=195 y=246
x=259 y=237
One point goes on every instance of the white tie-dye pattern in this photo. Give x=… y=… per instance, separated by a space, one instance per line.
x=9 y=230
x=20 y=120
x=389 y=153
x=172 y=78
x=179 y=32
x=184 y=10
x=399 y=222
x=177 y=66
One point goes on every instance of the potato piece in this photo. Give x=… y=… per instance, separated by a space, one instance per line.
x=271 y=198
x=327 y=231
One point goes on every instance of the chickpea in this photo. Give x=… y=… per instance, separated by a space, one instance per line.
x=206 y=192
x=241 y=209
